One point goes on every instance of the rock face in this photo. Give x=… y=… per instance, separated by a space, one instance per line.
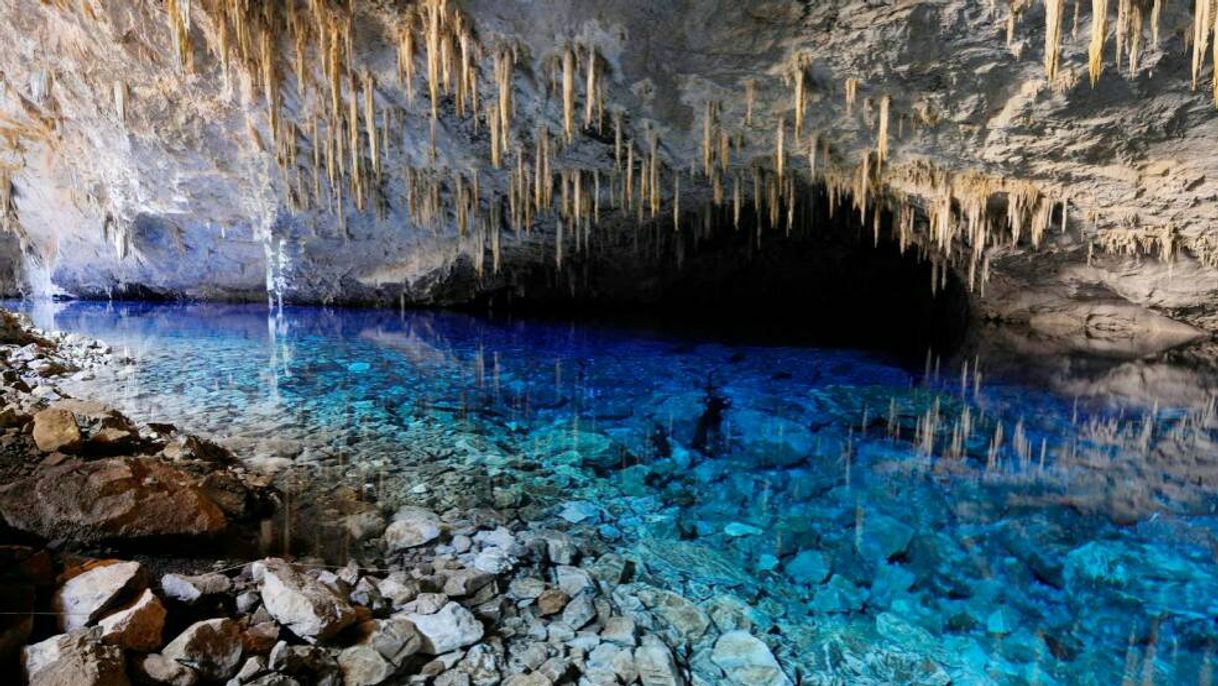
x=113 y=498
x=134 y=174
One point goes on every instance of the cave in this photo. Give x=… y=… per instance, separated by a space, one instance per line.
x=591 y=342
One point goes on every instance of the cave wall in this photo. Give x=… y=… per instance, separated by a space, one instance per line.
x=132 y=174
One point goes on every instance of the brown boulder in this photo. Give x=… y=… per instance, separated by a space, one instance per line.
x=116 y=498
x=56 y=429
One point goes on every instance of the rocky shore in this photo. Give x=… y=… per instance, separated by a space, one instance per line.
x=108 y=525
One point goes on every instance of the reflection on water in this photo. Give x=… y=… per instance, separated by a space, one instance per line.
x=932 y=525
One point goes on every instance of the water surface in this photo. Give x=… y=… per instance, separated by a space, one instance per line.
x=887 y=524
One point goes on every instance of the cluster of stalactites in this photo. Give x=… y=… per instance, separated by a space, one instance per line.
x=1128 y=32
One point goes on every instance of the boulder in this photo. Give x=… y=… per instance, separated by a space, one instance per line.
x=412 y=527
x=110 y=499
x=308 y=608
x=56 y=430
x=451 y=628
x=78 y=658
x=808 y=567
x=138 y=626
x=747 y=661
x=211 y=647
x=95 y=589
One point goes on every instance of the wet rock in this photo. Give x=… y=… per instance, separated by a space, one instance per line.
x=619 y=630
x=108 y=499
x=56 y=430
x=655 y=664
x=78 y=658
x=451 y=628
x=579 y=611
x=580 y=512
x=137 y=626
x=305 y=606
x=808 y=567
x=747 y=661
x=189 y=589
x=158 y=669
x=211 y=647
x=95 y=590
x=551 y=601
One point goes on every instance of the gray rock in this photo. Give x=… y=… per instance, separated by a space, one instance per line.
x=579 y=611
x=305 y=606
x=451 y=628
x=572 y=580
x=211 y=647
x=412 y=527
x=619 y=630
x=655 y=664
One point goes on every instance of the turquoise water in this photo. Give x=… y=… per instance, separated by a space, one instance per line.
x=886 y=524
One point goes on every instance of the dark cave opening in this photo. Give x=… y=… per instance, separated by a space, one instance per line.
x=828 y=281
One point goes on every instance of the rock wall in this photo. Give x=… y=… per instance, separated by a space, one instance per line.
x=132 y=174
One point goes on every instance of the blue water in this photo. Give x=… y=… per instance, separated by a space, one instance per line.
x=885 y=524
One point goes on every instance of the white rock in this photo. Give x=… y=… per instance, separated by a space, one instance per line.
x=308 y=608
x=86 y=597
x=189 y=589
x=451 y=628
x=74 y=659
x=412 y=527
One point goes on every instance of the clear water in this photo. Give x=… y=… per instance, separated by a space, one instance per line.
x=884 y=525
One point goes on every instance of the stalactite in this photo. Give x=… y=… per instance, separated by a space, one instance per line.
x=799 y=98
x=779 y=153
x=676 y=202
x=1095 y=53
x=1201 y=36
x=1053 y=36
x=1156 y=10
x=882 y=137
x=852 y=90
x=370 y=122
x=120 y=101
x=179 y=25
x=406 y=52
x=568 y=94
x=591 y=89
x=750 y=95
x=1122 y=30
x=1135 y=36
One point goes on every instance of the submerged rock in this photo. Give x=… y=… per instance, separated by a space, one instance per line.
x=747 y=661
x=115 y=498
